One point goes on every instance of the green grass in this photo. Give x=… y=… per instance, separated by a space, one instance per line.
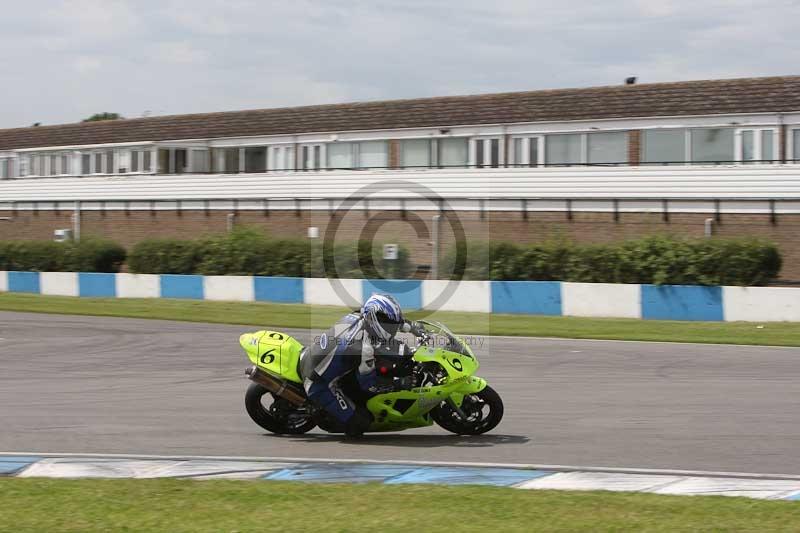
x=198 y=506
x=320 y=317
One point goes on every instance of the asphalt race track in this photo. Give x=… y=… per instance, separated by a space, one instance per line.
x=110 y=385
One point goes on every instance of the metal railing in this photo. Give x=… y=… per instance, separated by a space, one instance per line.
x=524 y=205
x=616 y=164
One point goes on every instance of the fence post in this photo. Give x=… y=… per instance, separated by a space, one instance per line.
x=76 y=221
x=435 y=251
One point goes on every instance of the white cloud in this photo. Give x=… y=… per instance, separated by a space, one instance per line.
x=85 y=64
x=89 y=20
x=180 y=53
x=173 y=56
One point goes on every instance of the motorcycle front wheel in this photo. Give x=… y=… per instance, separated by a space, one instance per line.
x=483 y=411
x=276 y=415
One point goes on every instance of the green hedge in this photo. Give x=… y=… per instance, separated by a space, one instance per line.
x=658 y=260
x=88 y=255
x=247 y=251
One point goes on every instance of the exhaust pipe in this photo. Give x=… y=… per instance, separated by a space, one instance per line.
x=275 y=385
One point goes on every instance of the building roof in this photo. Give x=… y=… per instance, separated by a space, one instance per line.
x=708 y=97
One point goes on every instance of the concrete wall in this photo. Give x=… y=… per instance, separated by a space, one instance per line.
x=666 y=302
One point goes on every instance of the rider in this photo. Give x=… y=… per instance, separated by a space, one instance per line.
x=349 y=345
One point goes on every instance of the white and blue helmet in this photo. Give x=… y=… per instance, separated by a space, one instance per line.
x=382 y=315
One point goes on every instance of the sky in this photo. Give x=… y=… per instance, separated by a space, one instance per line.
x=63 y=60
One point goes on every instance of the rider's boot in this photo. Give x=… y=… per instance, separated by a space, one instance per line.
x=359 y=422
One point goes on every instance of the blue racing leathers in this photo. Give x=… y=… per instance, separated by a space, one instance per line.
x=344 y=348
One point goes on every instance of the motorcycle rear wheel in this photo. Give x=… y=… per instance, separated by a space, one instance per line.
x=475 y=407
x=279 y=417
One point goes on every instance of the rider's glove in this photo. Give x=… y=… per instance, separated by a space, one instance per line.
x=415 y=328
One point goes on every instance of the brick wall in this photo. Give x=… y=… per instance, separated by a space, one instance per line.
x=394 y=226
x=634 y=146
x=394 y=153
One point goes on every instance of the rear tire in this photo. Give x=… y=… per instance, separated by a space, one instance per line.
x=484 y=411
x=280 y=416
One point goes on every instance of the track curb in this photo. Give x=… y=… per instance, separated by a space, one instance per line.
x=520 y=476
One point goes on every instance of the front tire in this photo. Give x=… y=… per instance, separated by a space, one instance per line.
x=483 y=409
x=278 y=416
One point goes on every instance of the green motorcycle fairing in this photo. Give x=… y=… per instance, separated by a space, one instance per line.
x=275 y=352
x=279 y=354
x=409 y=409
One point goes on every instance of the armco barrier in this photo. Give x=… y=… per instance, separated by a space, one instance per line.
x=665 y=302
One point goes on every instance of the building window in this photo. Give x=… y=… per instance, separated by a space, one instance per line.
x=5 y=169
x=664 y=146
x=768 y=146
x=415 y=153
x=341 y=155
x=200 y=160
x=749 y=147
x=796 y=145
x=33 y=166
x=564 y=149
x=373 y=154
x=181 y=160
x=365 y=154
x=98 y=163
x=712 y=145
x=518 y=157
x=255 y=159
x=86 y=164
x=487 y=153
x=137 y=161
x=452 y=152
x=53 y=170
x=582 y=148
x=757 y=146
x=124 y=158
x=312 y=157
x=135 y=155
x=66 y=167
x=163 y=161
x=281 y=158
x=607 y=147
x=526 y=151
x=705 y=145
x=230 y=160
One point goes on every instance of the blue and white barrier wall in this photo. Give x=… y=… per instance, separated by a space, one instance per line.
x=665 y=302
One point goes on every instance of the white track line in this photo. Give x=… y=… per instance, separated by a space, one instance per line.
x=521 y=466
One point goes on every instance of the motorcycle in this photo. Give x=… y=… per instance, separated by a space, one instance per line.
x=445 y=389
